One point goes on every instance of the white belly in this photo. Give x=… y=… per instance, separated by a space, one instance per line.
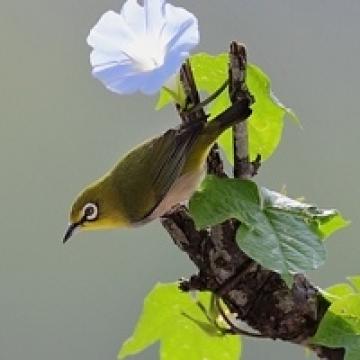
x=180 y=191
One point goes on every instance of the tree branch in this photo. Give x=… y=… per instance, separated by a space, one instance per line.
x=243 y=168
x=258 y=296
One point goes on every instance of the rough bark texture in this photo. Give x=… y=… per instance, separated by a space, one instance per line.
x=258 y=296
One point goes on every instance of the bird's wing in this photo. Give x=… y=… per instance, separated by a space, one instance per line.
x=159 y=163
x=170 y=154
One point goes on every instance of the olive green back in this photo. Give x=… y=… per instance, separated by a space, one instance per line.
x=144 y=176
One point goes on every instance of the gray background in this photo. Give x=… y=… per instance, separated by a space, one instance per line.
x=59 y=129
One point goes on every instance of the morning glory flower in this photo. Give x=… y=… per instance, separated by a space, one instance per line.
x=141 y=47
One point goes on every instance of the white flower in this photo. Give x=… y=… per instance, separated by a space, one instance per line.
x=140 y=48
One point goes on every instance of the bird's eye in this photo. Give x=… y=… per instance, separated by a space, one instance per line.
x=90 y=211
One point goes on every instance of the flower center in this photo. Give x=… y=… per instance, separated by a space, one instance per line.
x=147 y=53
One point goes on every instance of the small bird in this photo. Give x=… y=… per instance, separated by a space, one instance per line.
x=153 y=177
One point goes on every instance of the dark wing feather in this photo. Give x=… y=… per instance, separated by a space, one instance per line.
x=171 y=159
x=173 y=155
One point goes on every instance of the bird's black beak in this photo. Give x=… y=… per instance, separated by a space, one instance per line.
x=70 y=230
x=72 y=227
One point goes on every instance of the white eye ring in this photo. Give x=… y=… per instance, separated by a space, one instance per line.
x=90 y=211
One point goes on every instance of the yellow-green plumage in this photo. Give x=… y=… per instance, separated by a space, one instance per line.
x=151 y=178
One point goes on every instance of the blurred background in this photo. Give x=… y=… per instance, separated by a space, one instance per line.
x=60 y=129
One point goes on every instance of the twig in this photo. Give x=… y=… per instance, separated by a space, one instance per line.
x=243 y=168
x=214 y=162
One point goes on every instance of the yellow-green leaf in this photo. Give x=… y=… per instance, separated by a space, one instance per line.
x=173 y=318
x=340 y=327
x=265 y=125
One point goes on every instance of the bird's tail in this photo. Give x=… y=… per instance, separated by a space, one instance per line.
x=238 y=112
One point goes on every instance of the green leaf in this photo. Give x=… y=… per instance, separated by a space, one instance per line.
x=220 y=199
x=283 y=242
x=165 y=98
x=173 y=318
x=328 y=225
x=355 y=282
x=338 y=291
x=266 y=123
x=325 y=222
x=280 y=233
x=352 y=354
x=340 y=326
x=171 y=91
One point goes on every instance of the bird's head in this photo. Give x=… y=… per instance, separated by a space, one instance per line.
x=95 y=208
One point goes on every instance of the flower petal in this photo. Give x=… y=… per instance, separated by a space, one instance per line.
x=154 y=82
x=126 y=86
x=118 y=78
x=154 y=15
x=158 y=77
x=134 y=15
x=181 y=28
x=111 y=33
x=98 y=58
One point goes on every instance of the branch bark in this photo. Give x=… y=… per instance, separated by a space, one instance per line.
x=258 y=296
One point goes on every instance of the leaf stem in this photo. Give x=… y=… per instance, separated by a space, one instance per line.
x=208 y=100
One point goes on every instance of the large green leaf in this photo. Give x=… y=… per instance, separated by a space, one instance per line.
x=220 y=199
x=173 y=318
x=283 y=242
x=265 y=125
x=279 y=233
x=340 y=326
x=326 y=221
x=266 y=122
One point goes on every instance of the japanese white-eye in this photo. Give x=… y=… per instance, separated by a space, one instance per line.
x=153 y=177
